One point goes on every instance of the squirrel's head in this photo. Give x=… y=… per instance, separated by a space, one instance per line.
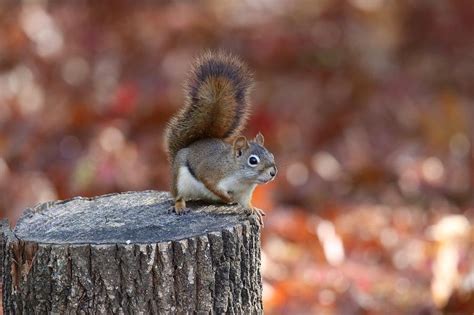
x=257 y=164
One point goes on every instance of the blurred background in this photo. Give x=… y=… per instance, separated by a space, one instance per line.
x=366 y=104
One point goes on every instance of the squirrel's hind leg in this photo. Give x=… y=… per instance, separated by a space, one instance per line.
x=179 y=201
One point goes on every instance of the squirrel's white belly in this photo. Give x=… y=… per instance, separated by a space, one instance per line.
x=241 y=192
x=191 y=189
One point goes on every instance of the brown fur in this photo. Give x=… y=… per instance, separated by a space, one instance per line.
x=216 y=105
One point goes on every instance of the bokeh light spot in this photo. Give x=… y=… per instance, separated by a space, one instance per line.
x=297 y=174
x=75 y=70
x=326 y=166
x=111 y=139
x=432 y=170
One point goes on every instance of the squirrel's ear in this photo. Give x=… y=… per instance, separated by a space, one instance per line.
x=259 y=138
x=240 y=144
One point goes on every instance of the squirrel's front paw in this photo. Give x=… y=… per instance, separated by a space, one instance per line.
x=180 y=206
x=259 y=213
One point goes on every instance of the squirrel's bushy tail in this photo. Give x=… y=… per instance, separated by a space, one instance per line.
x=216 y=105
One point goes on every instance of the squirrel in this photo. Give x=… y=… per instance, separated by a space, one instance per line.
x=209 y=158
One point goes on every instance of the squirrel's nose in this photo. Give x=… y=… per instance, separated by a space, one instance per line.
x=273 y=172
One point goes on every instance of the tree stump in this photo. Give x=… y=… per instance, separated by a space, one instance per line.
x=125 y=253
x=3 y=227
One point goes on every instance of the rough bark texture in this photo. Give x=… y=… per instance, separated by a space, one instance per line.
x=124 y=253
x=3 y=226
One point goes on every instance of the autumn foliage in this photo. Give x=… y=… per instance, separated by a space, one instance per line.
x=366 y=104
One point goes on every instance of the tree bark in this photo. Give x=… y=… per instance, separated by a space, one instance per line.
x=3 y=226
x=126 y=254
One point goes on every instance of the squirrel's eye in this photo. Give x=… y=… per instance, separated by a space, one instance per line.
x=253 y=160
